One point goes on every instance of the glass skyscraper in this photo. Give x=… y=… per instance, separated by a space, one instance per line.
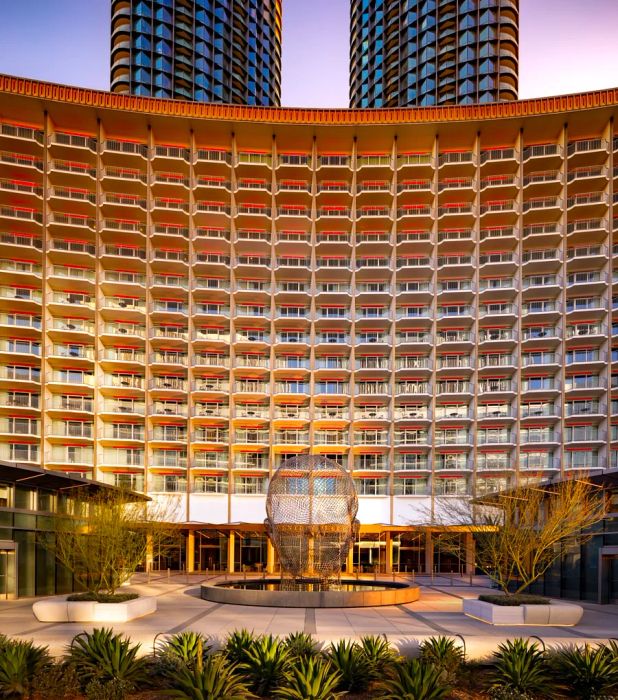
x=433 y=52
x=225 y=51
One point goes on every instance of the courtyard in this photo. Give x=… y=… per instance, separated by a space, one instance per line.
x=438 y=612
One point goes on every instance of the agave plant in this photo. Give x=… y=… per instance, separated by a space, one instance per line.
x=312 y=678
x=105 y=656
x=301 y=645
x=521 y=666
x=413 y=679
x=237 y=645
x=352 y=664
x=378 y=653
x=589 y=672
x=265 y=666
x=444 y=654
x=186 y=647
x=20 y=662
x=216 y=680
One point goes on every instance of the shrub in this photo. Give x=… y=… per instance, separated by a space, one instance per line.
x=520 y=666
x=352 y=664
x=508 y=694
x=301 y=645
x=588 y=671
x=445 y=654
x=57 y=681
x=216 y=680
x=20 y=663
x=108 y=690
x=413 y=679
x=104 y=656
x=186 y=647
x=237 y=644
x=310 y=679
x=512 y=600
x=92 y=597
x=265 y=666
x=378 y=653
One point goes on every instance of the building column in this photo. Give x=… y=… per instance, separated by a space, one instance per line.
x=230 y=552
x=349 y=565
x=149 y=553
x=389 y=553
x=428 y=552
x=190 y=551
x=270 y=557
x=470 y=546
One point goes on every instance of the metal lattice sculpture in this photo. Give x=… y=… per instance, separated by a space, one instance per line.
x=311 y=507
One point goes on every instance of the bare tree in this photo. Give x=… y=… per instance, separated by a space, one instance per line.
x=103 y=537
x=520 y=533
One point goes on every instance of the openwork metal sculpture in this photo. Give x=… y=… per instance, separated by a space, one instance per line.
x=311 y=508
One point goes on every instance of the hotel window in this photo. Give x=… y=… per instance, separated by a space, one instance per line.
x=370 y=461
x=451 y=487
x=23 y=452
x=210 y=484
x=581 y=459
x=491 y=485
x=371 y=487
x=411 y=487
x=536 y=460
x=168 y=483
x=250 y=485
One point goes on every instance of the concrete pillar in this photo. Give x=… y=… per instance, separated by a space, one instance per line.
x=230 y=552
x=470 y=546
x=428 y=552
x=389 y=553
x=149 y=553
x=349 y=566
x=270 y=557
x=190 y=551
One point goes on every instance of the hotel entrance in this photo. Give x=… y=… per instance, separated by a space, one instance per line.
x=210 y=551
x=8 y=570
x=370 y=554
x=409 y=553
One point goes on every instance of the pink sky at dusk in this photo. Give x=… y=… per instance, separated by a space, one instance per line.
x=565 y=46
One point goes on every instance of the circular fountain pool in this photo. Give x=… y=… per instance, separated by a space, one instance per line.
x=271 y=592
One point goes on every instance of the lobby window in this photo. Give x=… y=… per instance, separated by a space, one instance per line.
x=5 y=495
x=25 y=499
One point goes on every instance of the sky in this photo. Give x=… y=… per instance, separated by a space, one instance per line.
x=565 y=46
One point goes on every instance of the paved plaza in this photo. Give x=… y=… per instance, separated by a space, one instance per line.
x=437 y=612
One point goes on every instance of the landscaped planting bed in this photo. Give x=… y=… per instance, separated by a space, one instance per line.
x=101 y=665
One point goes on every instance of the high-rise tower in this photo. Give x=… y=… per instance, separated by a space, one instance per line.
x=433 y=52
x=205 y=50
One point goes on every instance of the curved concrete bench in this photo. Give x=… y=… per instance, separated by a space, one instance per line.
x=59 y=609
x=555 y=613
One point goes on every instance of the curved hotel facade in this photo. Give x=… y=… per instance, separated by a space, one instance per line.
x=191 y=293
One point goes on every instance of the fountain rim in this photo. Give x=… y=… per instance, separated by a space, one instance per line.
x=393 y=593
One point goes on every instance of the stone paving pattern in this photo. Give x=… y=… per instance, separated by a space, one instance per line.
x=437 y=612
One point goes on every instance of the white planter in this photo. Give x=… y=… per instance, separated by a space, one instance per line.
x=59 y=609
x=555 y=613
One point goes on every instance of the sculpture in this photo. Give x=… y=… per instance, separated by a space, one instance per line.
x=311 y=507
